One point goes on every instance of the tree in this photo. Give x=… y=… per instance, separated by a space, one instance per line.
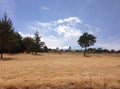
x=45 y=49
x=57 y=49
x=69 y=49
x=86 y=40
x=28 y=44
x=7 y=37
x=18 y=46
x=113 y=51
x=37 y=42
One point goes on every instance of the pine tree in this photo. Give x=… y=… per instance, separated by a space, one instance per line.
x=28 y=44
x=37 y=42
x=7 y=37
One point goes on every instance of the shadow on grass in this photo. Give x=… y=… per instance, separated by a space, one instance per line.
x=13 y=53
x=37 y=54
x=7 y=59
x=87 y=56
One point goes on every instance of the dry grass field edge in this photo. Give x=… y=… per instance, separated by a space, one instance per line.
x=60 y=71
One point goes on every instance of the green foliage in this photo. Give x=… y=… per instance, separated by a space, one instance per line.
x=7 y=35
x=28 y=44
x=86 y=40
x=13 y=42
x=37 y=42
x=45 y=49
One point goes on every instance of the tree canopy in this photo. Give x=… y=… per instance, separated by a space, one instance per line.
x=28 y=44
x=7 y=35
x=12 y=42
x=86 y=40
x=37 y=42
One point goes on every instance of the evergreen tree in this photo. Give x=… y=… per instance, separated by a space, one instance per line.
x=45 y=49
x=37 y=42
x=17 y=46
x=28 y=44
x=7 y=37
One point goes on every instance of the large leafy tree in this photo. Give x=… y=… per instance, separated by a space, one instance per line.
x=7 y=37
x=86 y=40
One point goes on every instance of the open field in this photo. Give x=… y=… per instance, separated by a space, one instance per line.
x=60 y=71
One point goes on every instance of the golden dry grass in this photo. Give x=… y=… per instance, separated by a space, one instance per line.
x=60 y=71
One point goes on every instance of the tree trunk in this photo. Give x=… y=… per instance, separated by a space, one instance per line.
x=85 y=51
x=1 y=55
x=36 y=53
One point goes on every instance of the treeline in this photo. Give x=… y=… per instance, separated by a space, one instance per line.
x=12 y=42
x=89 y=50
x=101 y=50
x=27 y=44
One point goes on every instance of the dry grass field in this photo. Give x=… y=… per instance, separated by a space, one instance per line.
x=60 y=71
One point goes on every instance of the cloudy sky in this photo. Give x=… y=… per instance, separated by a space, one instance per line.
x=62 y=22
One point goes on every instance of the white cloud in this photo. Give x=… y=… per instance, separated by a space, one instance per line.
x=44 y=8
x=68 y=31
x=60 y=21
x=108 y=45
x=73 y=19
x=42 y=24
x=92 y=29
x=65 y=47
x=25 y=35
x=88 y=26
x=63 y=33
x=32 y=28
x=58 y=33
x=69 y=20
x=53 y=42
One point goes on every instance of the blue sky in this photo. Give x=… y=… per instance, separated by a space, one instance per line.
x=61 y=22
